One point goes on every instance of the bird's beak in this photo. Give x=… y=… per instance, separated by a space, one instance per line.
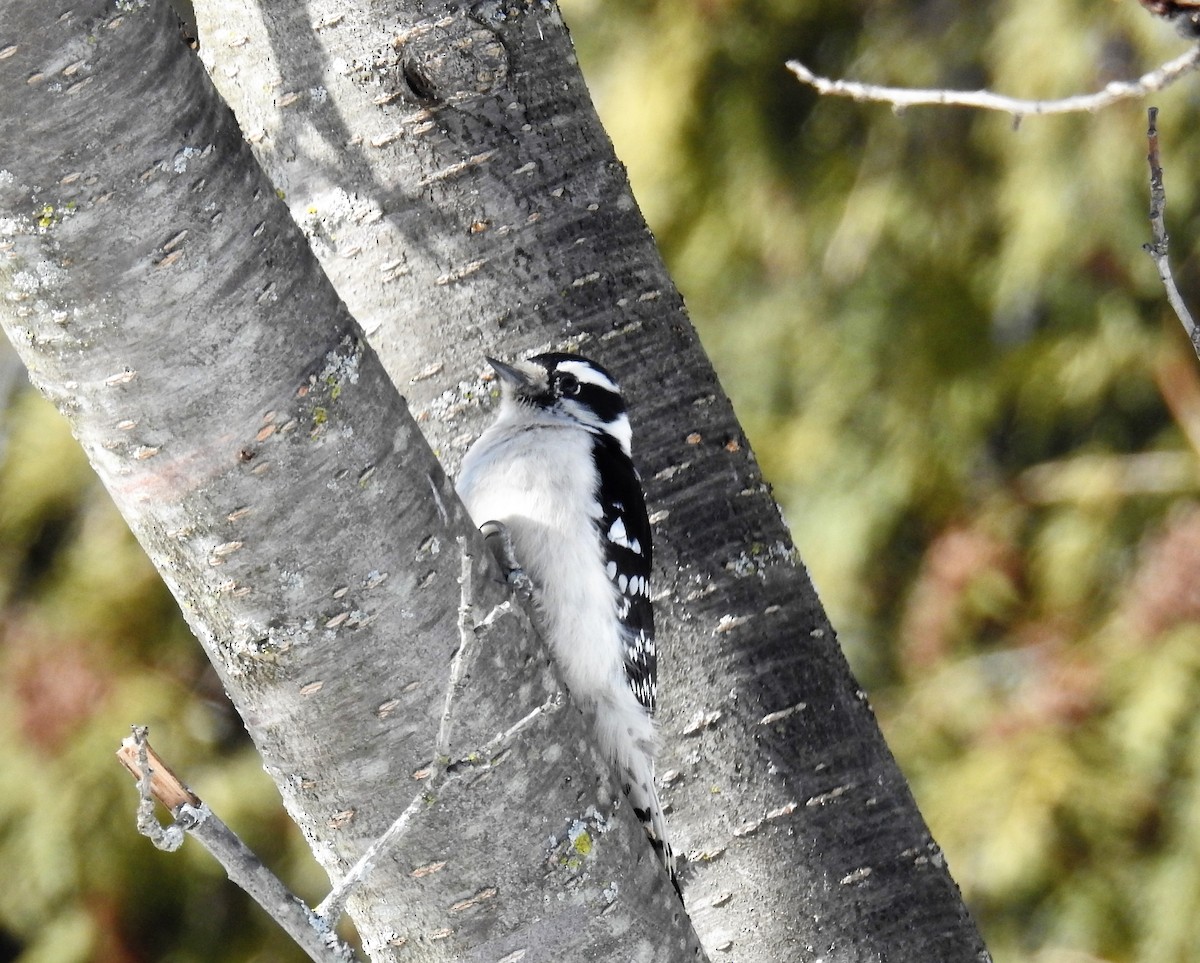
x=508 y=373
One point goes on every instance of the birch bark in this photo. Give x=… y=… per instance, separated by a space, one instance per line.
x=159 y=293
x=454 y=183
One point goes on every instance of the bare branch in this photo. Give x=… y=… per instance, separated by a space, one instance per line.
x=1103 y=478
x=901 y=97
x=331 y=908
x=157 y=782
x=1158 y=247
x=442 y=767
x=333 y=905
x=466 y=636
x=502 y=739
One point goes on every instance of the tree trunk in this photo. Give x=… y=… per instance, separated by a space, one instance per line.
x=478 y=123
x=160 y=294
x=455 y=183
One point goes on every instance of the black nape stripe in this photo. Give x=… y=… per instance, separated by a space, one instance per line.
x=608 y=405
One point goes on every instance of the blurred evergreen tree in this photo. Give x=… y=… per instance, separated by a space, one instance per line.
x=959 y=371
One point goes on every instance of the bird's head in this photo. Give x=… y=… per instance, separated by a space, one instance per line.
x=565 y=387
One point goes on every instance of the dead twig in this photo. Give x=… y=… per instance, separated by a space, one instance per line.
x=313 y=929
x=1158 y=246
x=333 y=905
x=443 y=768
x=192 y=816
x=902 y=97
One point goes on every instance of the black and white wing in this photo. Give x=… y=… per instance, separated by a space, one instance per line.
x=625 y=533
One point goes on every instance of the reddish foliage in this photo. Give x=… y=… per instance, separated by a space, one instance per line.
x=1062 y=687
x=111 y=944
x=1164 y=591
x=56 y=683
x=953 y=561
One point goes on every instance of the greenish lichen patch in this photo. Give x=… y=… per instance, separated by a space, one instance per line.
x=573 y=850
x=582 y=842
x=47 y=216
x=324 y=389
x=759 y=557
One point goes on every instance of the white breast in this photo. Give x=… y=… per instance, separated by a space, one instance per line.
x=538 y=477
x=540 y=481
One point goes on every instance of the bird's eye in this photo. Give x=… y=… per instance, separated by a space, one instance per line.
x=568 y=384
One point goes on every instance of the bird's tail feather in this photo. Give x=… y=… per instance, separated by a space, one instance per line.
x=643 y=796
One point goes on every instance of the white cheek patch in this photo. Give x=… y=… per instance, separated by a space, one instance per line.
x=620 y=429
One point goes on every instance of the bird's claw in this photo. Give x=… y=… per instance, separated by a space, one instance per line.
x=499 y=542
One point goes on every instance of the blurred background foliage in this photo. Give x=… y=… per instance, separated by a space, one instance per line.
x=956 y=366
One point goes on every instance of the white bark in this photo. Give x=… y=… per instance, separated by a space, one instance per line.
x=159 y=293
x=457 y=188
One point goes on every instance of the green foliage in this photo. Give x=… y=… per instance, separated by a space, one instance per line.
x=957 y=367
x=92 y=642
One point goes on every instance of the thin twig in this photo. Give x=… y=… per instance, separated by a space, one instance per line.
x=442 y=768
x=331 y=908
x=333 y=905
x=1158 y=247
x=466 y=636
x=901 y=97
x=156 y=781
x=502 y=739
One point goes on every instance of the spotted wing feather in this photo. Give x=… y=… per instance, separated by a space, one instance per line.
x=625 y=528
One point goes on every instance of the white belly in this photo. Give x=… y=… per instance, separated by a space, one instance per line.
x=520 y=477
